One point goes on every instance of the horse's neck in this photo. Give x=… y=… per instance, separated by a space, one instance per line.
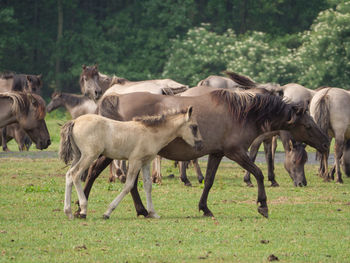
x=104 y=81
x=6 y=115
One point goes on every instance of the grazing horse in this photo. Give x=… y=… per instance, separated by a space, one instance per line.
x=330 y=107
x=14 y=131
x=84 y=139
x=294 y=160
x=93 y=84
x=28 y=110
x=76 y=105
x=228 y=122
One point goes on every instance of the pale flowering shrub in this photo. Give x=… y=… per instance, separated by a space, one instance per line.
x=324 y=56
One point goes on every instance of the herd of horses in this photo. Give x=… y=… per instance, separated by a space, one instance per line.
x=140 y=121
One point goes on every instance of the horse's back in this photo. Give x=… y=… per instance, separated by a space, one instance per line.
x=6 y=84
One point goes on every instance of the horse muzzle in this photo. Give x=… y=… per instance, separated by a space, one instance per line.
x=41 y=145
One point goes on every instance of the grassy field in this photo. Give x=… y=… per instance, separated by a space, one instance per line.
x=308 y=224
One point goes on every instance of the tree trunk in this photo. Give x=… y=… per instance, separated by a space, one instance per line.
x=58 y=43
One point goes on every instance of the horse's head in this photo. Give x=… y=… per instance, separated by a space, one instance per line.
x=294 y=162
x=56 y=101
x=189 y=131
x=89 y=82
x=34 y=84
x=304 y=129
x=30 y=112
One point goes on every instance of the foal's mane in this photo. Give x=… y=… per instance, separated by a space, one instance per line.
x=23 y=100
x=244 y=105
x=157 y=120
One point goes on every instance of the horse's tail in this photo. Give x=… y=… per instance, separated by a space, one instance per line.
x=241 y=80
x=322 y=116
x=68 y=148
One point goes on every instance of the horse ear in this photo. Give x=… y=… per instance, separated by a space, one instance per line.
x=39 y=76
x=83 y=66
x=29 y=78
x=189 y=113
x=96 y=65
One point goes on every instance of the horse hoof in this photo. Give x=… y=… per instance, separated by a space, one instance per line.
x=105 y=217
x=249 y=184
x=208 y=214
x=274 y=184
x=200 y=180
x=153 y=215
x=82 y=216
x=340 y=181
x=264 y=211
x=188 y=184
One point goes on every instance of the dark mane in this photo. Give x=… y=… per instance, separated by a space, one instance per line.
x=23 y=100
x=157 y=120
x=244 y=105
x=7 y=75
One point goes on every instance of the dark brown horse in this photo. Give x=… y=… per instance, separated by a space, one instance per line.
x=18 y=82
x=228 y=122
x=28 y=110
x=14 y=131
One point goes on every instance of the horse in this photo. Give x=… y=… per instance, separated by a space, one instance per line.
x=93 y=84
x=228 y=122
x=330 y=107
x=76 y=105
x=28 y=110
x=84 y=139
x=14 y=131
x=21 y=82
x=294 y=161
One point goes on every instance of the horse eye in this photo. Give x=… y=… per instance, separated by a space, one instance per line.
x=194 y=129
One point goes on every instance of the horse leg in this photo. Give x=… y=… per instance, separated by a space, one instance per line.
x=157 y=171
x=338 y=152
x=134 y=168
x=243 y=160
x=183 y=173
x=346 y=159
x=4 y=140
x=270 y=162
x=68 y=195
x=147 y=186
x=198 y=170
x=212 y=166
x=254 y=148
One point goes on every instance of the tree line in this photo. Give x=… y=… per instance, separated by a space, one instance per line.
x=187 y=40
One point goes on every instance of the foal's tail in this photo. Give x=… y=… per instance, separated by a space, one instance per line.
x=68 y=148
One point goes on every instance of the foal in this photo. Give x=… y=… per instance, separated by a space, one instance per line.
x=84 y=139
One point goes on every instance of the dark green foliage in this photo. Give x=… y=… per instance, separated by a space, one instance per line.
x=132 y=38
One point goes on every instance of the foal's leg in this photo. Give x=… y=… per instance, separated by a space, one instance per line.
x=68 y=194
x=134 y=168
x=183 y=173
x=243 y=160
x=212 y=166
x=270 y=162
x=147 y=185
x=198 y=170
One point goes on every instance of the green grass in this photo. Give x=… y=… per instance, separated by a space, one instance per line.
x=308 y=224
